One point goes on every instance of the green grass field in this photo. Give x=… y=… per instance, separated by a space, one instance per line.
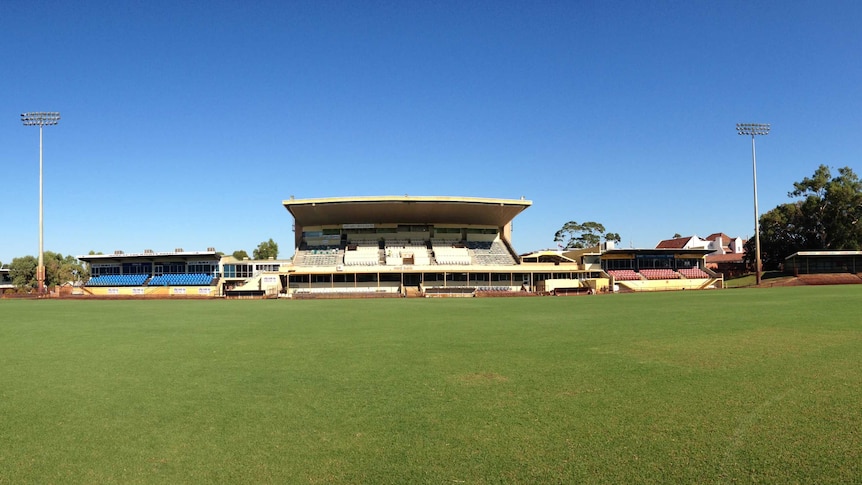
x=725 y=386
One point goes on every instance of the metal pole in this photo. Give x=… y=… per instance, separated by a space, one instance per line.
x=40 y=118
x=40 y=268
x=756 y=218
x=753 y=129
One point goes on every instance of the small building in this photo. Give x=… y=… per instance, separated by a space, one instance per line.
x=816 y=262
x=717 y=243
x=5 y=281
x=660 y=269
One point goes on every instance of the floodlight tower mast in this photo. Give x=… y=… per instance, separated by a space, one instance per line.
x=753 y=129
x=40 y=119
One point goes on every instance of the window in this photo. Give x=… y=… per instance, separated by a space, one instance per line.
x=618 y=264
x=205 y=268
x=238 y=271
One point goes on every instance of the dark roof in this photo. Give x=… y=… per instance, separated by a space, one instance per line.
x=716 y=235
x=676 y=243
x=405 y=210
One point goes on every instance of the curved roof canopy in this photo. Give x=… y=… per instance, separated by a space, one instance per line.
x=546 y=256
x=405 y=210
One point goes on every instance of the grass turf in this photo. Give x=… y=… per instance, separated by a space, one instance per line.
x=724 y=386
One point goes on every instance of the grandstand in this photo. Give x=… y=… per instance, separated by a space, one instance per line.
x=660 y=269
x=419 y=246
x=179 y=273
x=154 y=274
x=398 y=246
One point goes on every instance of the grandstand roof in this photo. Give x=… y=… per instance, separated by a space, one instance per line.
x=825 y=253
x=405 y=209
x=146 y=256
x=647 y=251
x=547 y=256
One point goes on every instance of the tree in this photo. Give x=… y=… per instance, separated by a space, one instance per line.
x=586 y=235
x=781 y=234
x=58 y=270
x=240 y=254
x=266 y=250
x=825 y=217
x=23 y=272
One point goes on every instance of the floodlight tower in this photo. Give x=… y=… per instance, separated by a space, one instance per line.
x=40 y=119
x=753 y=129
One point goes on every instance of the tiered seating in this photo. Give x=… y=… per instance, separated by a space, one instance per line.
x=318 y=257
x=322 y=242
x=421 y=255
x=450 y=290
x=659 y=274
x=393 y=251
x=397 y=251
x=694 y=273
x=118 y=280
x=188 y=279
x=364 y=254
x=490 y=253
x=452 y=255
x=497 y=289
x=624 y=274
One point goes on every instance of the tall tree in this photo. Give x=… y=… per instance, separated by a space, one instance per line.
x=781 y=234
x=266 y=250
x=825 y=215
x=22 y=270
x=583 y=235
x=240 y=254
x=831 y=208
x=59 y=270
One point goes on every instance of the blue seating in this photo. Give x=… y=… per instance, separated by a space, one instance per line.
x=190 y=279
x=118 y=280
x=184 y=279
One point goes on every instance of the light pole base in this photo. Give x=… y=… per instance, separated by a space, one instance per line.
x=40 y=279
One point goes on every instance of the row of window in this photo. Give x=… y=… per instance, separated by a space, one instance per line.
x=422 y=228
x=410 y=278
x=650 y=263
x=247 y=270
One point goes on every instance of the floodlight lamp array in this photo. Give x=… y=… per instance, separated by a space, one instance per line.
x=40 y=118
x=752 y=128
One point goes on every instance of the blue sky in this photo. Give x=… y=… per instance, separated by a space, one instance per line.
x=185 y=124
